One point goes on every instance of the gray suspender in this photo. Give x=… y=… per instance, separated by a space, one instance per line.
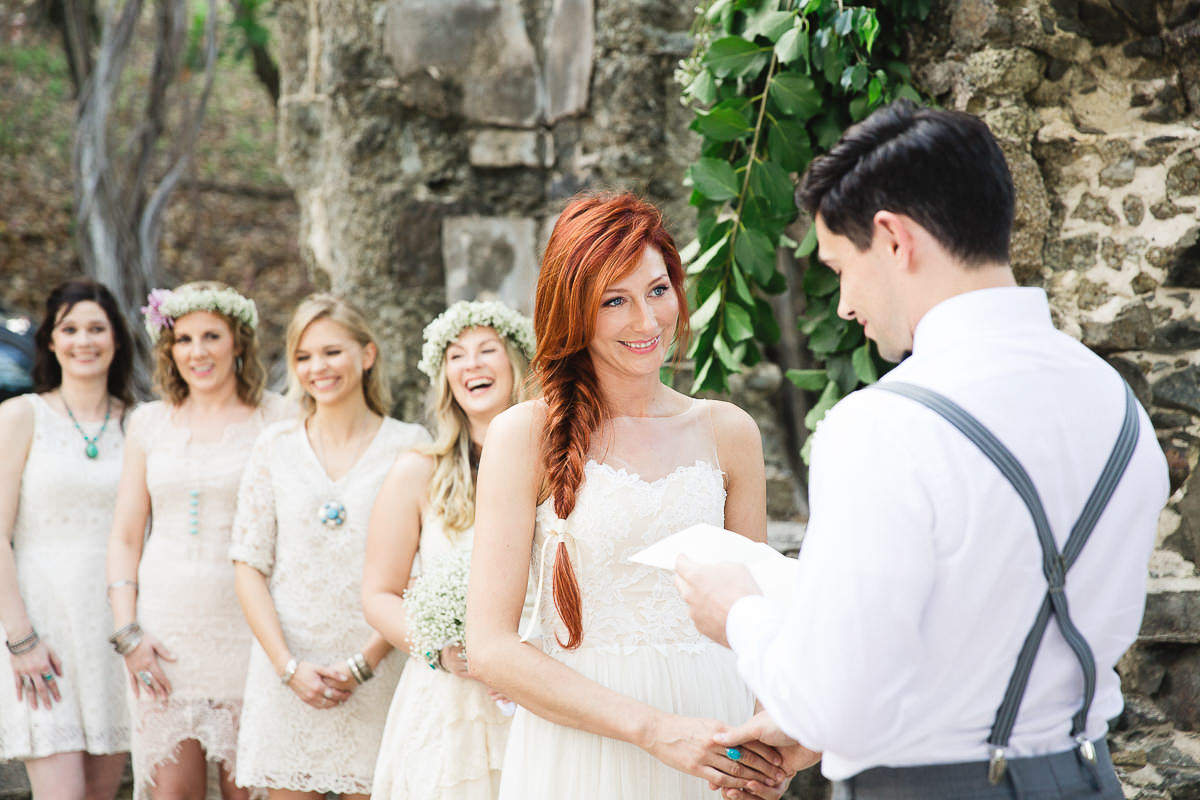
x=1054 y=564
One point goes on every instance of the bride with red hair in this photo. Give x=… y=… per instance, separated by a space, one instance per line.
x=619 y=695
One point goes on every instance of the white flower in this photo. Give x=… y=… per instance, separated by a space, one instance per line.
x=165 y=307
x=464 y=314
x=436 y=605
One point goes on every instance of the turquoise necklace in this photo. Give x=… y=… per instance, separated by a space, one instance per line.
x=91 y=451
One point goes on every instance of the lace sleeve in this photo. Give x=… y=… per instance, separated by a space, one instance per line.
x=253 y=536
x=139 y=422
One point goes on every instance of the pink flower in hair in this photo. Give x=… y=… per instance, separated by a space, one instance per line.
x=156 y=318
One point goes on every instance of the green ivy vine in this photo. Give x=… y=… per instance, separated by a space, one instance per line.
x=773 y=82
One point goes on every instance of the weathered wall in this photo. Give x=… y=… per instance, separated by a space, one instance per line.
x=431 y=142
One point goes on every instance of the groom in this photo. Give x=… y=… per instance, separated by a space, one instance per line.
x=981 y=520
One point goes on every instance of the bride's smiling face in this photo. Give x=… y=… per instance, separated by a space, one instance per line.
x=636 y=321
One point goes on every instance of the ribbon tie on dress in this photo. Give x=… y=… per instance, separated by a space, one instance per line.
x=556 y=534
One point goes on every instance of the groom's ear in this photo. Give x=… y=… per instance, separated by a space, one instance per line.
x=895 y=238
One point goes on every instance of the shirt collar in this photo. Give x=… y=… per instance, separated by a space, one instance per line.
x=982 y=312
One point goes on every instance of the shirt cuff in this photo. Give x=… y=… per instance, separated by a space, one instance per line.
x=750 y=623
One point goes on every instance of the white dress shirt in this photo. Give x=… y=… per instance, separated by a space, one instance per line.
x=920 y=573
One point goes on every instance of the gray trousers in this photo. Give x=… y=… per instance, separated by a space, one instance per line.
x=1061 y=775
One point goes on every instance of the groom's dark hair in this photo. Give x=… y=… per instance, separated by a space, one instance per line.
x=941 y=168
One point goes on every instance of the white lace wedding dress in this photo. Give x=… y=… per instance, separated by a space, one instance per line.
x=315 y=576
x=60 y=536
x=646 y=479
x=445 y=737
x=186 y=596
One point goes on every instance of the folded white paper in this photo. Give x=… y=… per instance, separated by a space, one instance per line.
x=772 y=571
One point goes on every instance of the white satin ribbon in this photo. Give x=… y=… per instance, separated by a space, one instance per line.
x=556 y=533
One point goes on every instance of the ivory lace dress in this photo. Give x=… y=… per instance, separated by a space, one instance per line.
x=186 y=595
x=315 y=577
x=64 y=512
x=646 y=479
x=445 y=737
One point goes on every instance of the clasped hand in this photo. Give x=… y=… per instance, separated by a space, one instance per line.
x=321 y=687
x=693 y=746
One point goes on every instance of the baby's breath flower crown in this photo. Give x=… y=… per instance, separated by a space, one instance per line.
x=510 y=324
x=164 y=306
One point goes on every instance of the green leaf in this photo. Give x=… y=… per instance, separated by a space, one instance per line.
x=874 y=91
x=900 y=70
x=722 y=124
x=843 y=23
x=909 y=92
x=864 y=365
x=717 y=9
x=854 y=78
x=859 y=108
x=769 y=23
x=792 y=45
x=726 y=356
x=827 y=400
x=714 y=178
x=731 y=55
x=819 y=280
x=702 y=373
x=707 y=257
x=825 y=338
x=706 y=311
x=770 y=183
x=740 y=287
x=795 y=95
x=755 y=253
x=828 y=131
x=703 y=88
x=810 y=380
x=787 y=144
x=868 y=29
x=689 y=251
x=766 y=327
x=841 y=372
x=738 y=323
x=809 y=244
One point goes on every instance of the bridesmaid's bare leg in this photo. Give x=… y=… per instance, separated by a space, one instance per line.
x=102 y=775
x=185 y=778
x=229 y=789
x=56 y=777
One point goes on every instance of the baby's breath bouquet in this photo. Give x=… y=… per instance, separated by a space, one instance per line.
x=436 y=604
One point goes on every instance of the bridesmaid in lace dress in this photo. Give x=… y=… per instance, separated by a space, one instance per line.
x=178 y=624
x=61 y=708
x=444 y=738
x=624 y=696
x=320 y=679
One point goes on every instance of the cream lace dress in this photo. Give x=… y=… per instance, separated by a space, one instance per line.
x=315 y=577
x=445 y=737
x=64 y=513
x=186 y=596
x=646 y=479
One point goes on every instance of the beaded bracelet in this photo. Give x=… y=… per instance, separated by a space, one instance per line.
x=23 y=646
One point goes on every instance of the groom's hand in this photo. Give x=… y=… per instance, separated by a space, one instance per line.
x=710 y=590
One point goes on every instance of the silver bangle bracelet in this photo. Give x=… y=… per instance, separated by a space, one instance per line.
x=24 y=645
x=364 y=668
x=127 y=638
x=352 y=665
x=289 y=671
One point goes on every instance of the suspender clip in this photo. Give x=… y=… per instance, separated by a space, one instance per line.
x=996 y=765
x=1086 y=748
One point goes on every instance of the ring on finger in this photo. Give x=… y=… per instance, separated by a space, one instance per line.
x=27 y=680
x=48 y=677
x=328 y=694
x=733 y=754
x=145 y=677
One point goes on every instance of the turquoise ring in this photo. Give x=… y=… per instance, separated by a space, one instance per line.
x=733 y=754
